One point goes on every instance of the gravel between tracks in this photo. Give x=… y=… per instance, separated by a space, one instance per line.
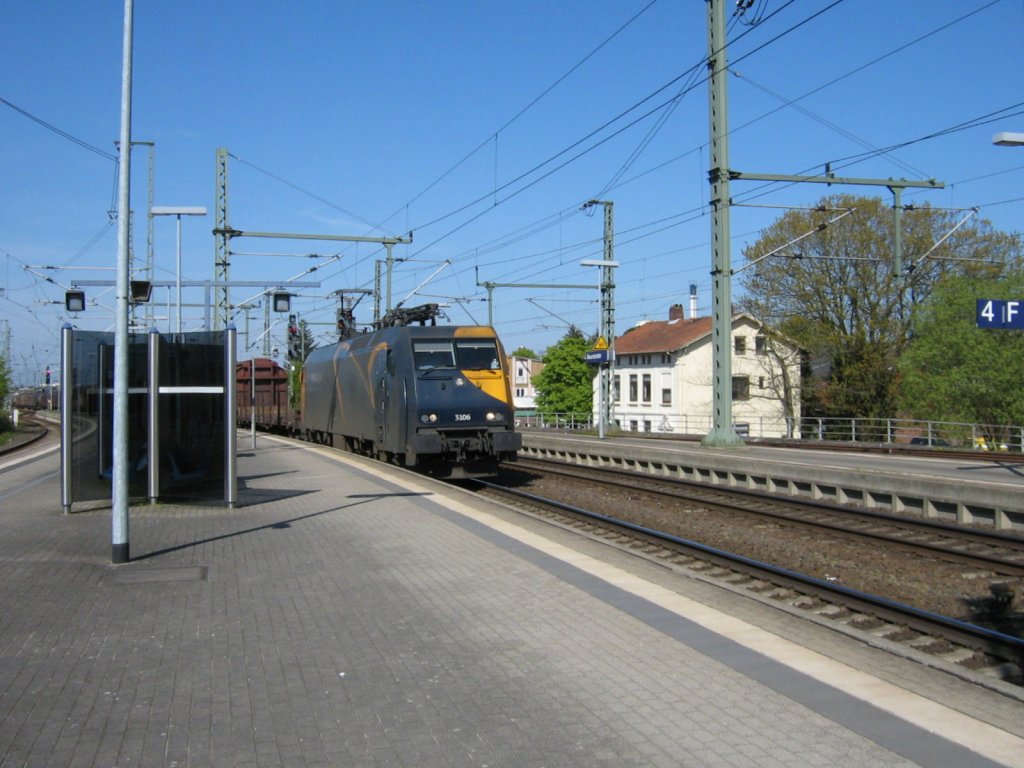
x=945 y=588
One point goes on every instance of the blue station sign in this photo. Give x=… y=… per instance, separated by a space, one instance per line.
x=597 y=356
x=1001 y=313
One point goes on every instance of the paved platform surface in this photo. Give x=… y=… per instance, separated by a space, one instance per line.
x=345 y=616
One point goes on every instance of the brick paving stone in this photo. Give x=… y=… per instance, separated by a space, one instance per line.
x=337 y=619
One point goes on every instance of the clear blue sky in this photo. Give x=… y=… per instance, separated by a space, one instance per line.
x=482 y=127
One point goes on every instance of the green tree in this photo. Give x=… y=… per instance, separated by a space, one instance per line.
x=955 y=371
x=835 y=289
x=565 y=384
x=525 y=352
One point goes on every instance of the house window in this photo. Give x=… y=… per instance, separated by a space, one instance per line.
x=740 y=387
x=760 y=344
x=615 y=389
x=666 y=358
x=647 y=388
x=632 y=425
x=760 y=382
x=647 y=426
x=632 y=388
x=666 y=396
x=740 y=345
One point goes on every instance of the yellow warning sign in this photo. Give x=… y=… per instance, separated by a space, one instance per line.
x=600 y=343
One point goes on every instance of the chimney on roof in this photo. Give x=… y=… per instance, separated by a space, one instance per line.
x=675 y=312
x=693 y=301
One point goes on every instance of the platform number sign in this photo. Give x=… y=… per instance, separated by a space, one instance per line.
x=1001 y=313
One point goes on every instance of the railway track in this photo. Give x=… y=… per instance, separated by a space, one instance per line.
x=978 y=653
x=1000 y=552
x=30 y=431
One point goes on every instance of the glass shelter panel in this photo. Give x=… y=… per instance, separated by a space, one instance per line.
x=92 y=416
x=191 y=414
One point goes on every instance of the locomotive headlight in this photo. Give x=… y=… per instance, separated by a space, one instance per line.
x=459 y=381
x=428 y=418
x=495 y=416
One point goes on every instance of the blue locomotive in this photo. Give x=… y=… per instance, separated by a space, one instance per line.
x=436 y=398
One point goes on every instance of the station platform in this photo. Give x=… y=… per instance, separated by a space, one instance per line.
x=350 y=614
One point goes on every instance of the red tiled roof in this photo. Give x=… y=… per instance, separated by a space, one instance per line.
x=662 y=336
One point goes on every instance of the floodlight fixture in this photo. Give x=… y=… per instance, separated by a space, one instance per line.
x=141 y=290
x=74 y=301
x=282 y=301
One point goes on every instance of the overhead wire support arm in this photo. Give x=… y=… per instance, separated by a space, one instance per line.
x=914 y=264
x=435 y=273
x=896 y=186
x=833 y=179
x=490 y=286
x=302 y=236
x=824 y=225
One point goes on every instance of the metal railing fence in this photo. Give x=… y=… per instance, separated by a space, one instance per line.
x=996 y=437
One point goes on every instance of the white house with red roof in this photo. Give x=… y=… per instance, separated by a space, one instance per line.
x=662 y=378
x=524 y=394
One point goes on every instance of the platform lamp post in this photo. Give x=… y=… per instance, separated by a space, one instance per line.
x=1008 y=139
x=178 y=211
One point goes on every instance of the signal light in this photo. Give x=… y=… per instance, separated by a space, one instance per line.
x=294 y=348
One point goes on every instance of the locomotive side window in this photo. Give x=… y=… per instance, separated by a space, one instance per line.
x=478 y=355
x=433 y=354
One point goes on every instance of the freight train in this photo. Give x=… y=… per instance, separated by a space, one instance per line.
x=434 y=398
x=35 y=398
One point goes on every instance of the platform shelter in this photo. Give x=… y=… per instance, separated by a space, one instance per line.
x=181 y=406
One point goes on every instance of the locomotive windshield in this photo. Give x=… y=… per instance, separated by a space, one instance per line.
x=429 y=355
x=465 y=354
x=477 y=355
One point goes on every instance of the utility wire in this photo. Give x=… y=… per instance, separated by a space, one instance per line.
x=59 y=132
x=624 y=113
x=524 y=110
x=874 y=61
x=306 y=192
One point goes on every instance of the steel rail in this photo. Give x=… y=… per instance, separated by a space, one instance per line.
x=998 y=644
x=716 y=498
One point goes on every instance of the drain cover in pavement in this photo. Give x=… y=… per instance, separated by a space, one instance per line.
x=153 y=575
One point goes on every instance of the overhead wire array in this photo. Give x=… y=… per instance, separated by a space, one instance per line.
x=751 y=14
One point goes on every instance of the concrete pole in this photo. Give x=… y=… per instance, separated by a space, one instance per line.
x=120 y=550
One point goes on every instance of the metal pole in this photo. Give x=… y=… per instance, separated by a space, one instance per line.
x=67 y=418
x=120 y=550
x=252 y=403
x=390 y=266
x=153 y=448
x=177 y=323
x=608 y=314
x=376 y=292
x=722 y=432
x=230 y=444
x=222 y=243
x=101 y=411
